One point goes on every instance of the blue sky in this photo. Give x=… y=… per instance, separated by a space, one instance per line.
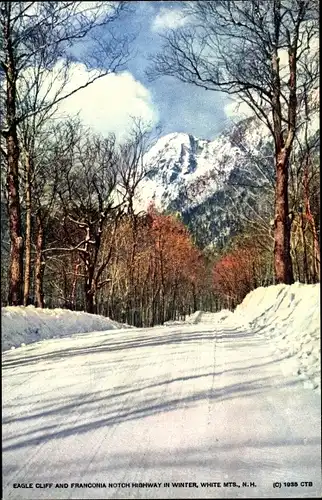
x=174 y=105
x=182 y=107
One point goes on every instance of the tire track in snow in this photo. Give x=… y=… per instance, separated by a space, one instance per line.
x=142 y=447
x=59 y=424
x=212 y=388
x=104 y=435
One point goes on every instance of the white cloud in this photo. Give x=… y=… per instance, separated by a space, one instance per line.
x=168 y=19
x=108 y=104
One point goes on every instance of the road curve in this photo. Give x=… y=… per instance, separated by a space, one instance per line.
x=158 y=413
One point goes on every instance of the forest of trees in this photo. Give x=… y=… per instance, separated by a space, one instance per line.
x=70 y=234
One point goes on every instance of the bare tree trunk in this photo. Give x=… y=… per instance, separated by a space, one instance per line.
x=89 y=300
x=316 y=256
x=39 y=264
x=282 y=227
x=282 y=223
x=131 y=298
x=27 y=269
x=310 y=218
x=16 y=239
x=194 y=296
x=14 y=210
x=73 y=294
x=89 y=287
x=305 y=260
x=162 y=290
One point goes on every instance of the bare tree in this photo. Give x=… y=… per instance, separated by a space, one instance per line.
x=132 y=168
x=53 y=151
x=131 y=171
x=305 y=195
x=86 y=190
x=252 y=49
x=35 y=37
x=35 y=135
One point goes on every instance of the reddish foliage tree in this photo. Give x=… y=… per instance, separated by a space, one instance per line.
x=238 y=272
x=161 y=281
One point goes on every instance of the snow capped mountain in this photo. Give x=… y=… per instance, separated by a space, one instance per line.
x=177 y=164
x=183 y=171
x=190 y=175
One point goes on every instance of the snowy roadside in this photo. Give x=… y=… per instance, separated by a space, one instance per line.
x=287 y=314
x=290 y=316
x=24 y=325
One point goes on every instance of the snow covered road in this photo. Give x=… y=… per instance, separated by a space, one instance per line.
x=135 y=411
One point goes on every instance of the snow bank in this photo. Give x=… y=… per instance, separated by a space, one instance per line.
x=191 y=319
x=218 y=317
x=23 y=325
x=206 y=317
x=290 y=314
x=202 y=317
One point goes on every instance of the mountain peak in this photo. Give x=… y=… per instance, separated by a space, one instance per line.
x=183 y=171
